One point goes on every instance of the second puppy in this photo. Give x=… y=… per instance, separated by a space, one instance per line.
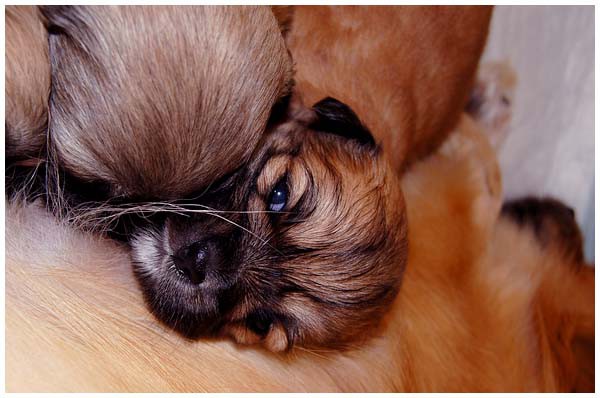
x=158 y=102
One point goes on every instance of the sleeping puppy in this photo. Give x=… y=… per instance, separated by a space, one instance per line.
x=236 y=258
x=200 y=276
x=308 y=249
x=158 y=103
x=311 y=266
x=483 y=307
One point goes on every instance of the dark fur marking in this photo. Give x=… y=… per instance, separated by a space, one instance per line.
x=337 y=118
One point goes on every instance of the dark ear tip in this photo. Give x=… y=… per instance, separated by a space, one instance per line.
x=60 y=19
x=333 y=116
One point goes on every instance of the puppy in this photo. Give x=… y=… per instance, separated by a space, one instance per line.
x=271 y=281
x=407 y=71
x=158 y=103
x=312 y=254
x=483 y=307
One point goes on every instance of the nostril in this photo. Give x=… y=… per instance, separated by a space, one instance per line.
x=190 y=262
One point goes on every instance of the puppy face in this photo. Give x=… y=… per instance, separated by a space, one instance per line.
x=158 y=102
x=306 y=246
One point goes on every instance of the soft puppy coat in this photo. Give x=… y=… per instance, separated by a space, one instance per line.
x=159 y=102
x=113 y=139
x=496 y=330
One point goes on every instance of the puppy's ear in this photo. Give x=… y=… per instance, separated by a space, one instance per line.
x=335 y=117
x=76 y=23
x=284 y=16
x=62 y=19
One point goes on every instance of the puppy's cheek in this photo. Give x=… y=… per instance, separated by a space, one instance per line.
x=309 y=326
x=147 y=251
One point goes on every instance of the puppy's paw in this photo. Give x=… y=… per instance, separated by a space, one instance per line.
x=491 y=100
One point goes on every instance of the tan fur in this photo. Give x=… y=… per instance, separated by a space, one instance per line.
x=482 y=308
x=27 y=82
x=162 y=101
x=408 y=80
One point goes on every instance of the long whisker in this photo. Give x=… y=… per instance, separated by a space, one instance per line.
x=107 y=214
x=241 y=227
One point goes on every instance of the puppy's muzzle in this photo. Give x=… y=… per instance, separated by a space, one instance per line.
x=194 y=261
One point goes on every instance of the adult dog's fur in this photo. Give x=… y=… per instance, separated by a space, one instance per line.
x=483 y=307
x=407 y=71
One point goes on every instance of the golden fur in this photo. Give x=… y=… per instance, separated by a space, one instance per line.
x=483 y=307
x=468 y=317
x=409 y=81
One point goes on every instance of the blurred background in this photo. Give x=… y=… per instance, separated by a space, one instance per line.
x=549 y=149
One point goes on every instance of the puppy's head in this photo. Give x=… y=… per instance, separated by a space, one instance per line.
x=306 y=246
x=161 y=101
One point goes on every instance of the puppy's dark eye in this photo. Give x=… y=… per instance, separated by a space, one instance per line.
x=259 y=323
x=279 y=196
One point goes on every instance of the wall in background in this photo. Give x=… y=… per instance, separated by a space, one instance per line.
x=550 y=147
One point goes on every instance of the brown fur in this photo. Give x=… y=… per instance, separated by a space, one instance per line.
x=161 y=102
x=408 y=80
x=321 y=271
x=483 y=307
x=553 y=223
x=443 y=331
x=328 y=260
x=27 y=83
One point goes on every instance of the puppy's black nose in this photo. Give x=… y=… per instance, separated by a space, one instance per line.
x=191 y=261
